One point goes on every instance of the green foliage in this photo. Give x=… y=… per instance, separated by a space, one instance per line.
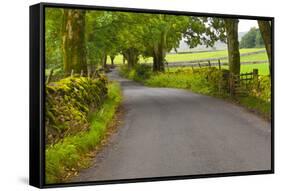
x=205 y=81
x=112 y=33
x=67 y=155
x=261 y=88
x=204 y=31
x=53 y=18
x=259 y=96
x=139 y=73
x=68 y=103
x=252 y=39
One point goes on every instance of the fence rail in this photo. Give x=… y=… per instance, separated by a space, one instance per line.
x=209 y=63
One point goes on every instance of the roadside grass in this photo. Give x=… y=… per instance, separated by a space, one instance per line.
x=70 y=154
x=200 y=55
x=185 y=78
x=255 y=104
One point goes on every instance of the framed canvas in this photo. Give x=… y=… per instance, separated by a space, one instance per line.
x=121 y=95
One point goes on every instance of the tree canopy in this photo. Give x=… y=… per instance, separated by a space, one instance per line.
x=83 y=39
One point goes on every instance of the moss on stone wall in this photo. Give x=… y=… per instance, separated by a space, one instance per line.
x=68 y=103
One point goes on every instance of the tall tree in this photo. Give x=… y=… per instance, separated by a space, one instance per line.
x=206 y=31
x=252 y=39
x=265 y=28
x=259 y=40
x=131 y=36
x=73 y=41
x=249 y=39
x=162 y=33
x=231 y=26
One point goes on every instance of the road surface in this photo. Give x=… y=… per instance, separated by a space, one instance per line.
x=168 y=132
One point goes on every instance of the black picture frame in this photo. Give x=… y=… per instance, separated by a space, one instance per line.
x=37 y=95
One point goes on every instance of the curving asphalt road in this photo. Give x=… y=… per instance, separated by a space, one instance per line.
x=170 y=132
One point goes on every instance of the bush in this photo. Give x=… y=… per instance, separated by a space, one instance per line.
x=142 y=72
x=217 y=79
x=261 y=88
x=139 y=73
x=204 y=80
x=124 y=70
x=68 y=103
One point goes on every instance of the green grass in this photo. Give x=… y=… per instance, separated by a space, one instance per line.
x=204 y=55
x=68 y=154
x=256 y=104
x=263 y=68
x=254 y=57
x=201 y=55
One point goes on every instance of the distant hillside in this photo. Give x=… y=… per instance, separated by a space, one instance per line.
x=183 y=47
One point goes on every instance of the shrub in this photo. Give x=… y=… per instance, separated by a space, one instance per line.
x=139 y=72
x=261 y=88
x=124 y=70
x=142 y=72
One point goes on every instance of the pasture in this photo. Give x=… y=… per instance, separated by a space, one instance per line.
x=201 y=55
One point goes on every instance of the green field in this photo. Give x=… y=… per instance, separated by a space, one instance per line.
x=263 y=68
x=202 y=55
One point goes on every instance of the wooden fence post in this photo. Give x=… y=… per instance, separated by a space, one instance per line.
x=255 y=74
x=209 y=63
x=219 y=64
x=199 y=65
x=50 y=76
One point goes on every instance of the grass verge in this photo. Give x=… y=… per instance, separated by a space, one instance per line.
x=197 y=82
x=65 y=157
x=256 y=105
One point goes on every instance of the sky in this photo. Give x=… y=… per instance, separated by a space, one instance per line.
x=245 y=25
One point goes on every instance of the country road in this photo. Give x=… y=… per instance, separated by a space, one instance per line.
x=168 y=132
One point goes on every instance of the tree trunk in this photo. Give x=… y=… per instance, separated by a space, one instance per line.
x=104 y=60
x=112 y=60
x=124 y=58
x=158 y=59
x=73 y=41
x=132 y=57
x=231 y=26
x=265 y=28
x=159 y=52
